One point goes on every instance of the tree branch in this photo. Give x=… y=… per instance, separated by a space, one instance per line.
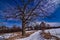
x=25 y=5
x=30 y=12
x=18 y=6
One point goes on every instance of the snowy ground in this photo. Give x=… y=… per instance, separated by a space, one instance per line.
x=7 y=35
x=55 y=32
x=10 y=35
x=37 y=35
x=34 y=36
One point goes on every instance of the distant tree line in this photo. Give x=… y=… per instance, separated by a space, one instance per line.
x=4 y=29
x=41 y=26
x=14 y=28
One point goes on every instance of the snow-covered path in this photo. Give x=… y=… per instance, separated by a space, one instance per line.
x=37 y=35
x=34 y=36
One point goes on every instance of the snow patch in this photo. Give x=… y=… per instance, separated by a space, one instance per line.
x=8 y=35
x=34 y=36
x=37 y=35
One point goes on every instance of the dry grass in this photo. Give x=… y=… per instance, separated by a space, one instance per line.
x=19 y=35
x=46 y=35
x=49 y=36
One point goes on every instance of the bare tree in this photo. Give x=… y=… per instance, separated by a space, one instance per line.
x=27 y=13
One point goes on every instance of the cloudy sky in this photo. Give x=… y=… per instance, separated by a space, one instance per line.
x=5 y=4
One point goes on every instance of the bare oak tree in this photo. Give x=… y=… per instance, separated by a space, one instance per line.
x=30 y=10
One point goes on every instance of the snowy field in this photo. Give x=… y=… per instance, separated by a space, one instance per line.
x=35 y=36
x=7 y=35
x=55 y=32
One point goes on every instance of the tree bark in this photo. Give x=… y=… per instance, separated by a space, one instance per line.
x=23 y=28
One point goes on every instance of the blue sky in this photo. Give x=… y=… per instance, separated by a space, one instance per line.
x=4 y=4
x=56 y=16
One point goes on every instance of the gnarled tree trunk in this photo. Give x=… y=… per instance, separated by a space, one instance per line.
x=23 y=27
